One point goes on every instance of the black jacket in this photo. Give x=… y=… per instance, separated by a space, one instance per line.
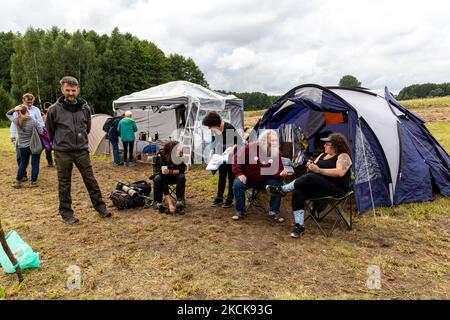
x=68 y=125
x=159 y=160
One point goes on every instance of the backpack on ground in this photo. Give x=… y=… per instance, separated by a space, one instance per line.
x=123 y=200
x=132 y=195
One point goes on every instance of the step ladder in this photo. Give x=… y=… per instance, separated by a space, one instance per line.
x=187 y=136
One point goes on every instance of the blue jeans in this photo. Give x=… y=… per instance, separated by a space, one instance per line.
x=25 y=154
x=239 y=193
x=115 y=146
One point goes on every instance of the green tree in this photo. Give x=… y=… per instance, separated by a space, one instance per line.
x=349 y=81
x=6 y=103
x=182 y=68
x=6 y=51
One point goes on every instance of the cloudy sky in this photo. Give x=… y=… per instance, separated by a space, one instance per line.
x=270 y=46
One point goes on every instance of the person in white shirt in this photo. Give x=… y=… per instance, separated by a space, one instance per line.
x=35 y=113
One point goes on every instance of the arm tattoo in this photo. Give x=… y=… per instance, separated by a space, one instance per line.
x=345 y=161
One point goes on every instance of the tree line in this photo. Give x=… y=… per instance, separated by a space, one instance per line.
x=253 y=100
x=424 y=90
x=107 y=66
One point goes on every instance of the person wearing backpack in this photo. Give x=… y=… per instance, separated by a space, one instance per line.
x=25 y=125
x=113 y=137
x=126 y=128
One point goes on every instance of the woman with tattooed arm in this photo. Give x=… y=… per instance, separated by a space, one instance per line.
x=328 y=175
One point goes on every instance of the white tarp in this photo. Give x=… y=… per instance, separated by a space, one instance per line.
x=180 y=92
x=159 y=109
x=97 y=142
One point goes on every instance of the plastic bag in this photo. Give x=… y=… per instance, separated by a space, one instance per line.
x=21 y=250
x=35 y=142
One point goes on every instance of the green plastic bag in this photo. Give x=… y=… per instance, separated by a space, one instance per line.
x=21 y=250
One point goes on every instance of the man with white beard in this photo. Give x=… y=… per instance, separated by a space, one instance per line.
x=257 y=165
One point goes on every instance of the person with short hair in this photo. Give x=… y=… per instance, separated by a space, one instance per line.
x=126 y=128
x=68 y=125
x=224 y=135
x=329 y=175
x=28 y=101
x=25 y=125
x=169 y=168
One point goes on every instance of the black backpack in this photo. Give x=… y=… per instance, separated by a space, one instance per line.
x=108 y=123
x=142 y=187
x=122 y=200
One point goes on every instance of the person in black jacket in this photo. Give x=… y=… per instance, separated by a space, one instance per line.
x=169 y=169
x=113 y=137
x=224 y=136
x=68 y=125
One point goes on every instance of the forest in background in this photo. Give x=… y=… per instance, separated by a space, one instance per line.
x=110 y=66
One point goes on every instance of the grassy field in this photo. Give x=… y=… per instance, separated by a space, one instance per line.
x=141 y=254
x=437 y=102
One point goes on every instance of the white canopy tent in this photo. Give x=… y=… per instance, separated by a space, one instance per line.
x=179 y=105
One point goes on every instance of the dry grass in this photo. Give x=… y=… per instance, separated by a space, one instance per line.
x=140 y=254
x=437 y=102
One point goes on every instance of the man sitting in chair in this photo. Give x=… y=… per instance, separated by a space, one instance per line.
x=329 y=175
x=257 y=165
x=169 y=169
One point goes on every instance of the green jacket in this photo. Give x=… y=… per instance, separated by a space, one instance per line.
x=127 y=127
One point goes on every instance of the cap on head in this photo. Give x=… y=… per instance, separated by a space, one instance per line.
x=128 y=114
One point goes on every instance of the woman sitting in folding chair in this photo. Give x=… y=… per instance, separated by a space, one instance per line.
x=168 y=169
x=329 y=175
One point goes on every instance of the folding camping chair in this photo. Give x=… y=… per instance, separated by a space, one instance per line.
x=254 y=200
x=332 y=204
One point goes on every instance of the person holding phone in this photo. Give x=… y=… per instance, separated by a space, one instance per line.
x=328 y=175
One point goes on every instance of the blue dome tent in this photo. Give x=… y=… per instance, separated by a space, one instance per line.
x=395 y=158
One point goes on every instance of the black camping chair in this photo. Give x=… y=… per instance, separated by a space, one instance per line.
x=254 y=200
x=319 y=208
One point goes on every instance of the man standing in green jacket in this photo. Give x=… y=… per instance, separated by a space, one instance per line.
x=127 y=127
x=68 y=124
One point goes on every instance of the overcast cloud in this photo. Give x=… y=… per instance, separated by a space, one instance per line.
x=270 y=46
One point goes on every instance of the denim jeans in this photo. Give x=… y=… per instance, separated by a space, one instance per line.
x=25 y=154
x=115 y=147
x=239 y=193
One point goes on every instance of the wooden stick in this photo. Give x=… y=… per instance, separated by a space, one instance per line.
x=9 y=253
